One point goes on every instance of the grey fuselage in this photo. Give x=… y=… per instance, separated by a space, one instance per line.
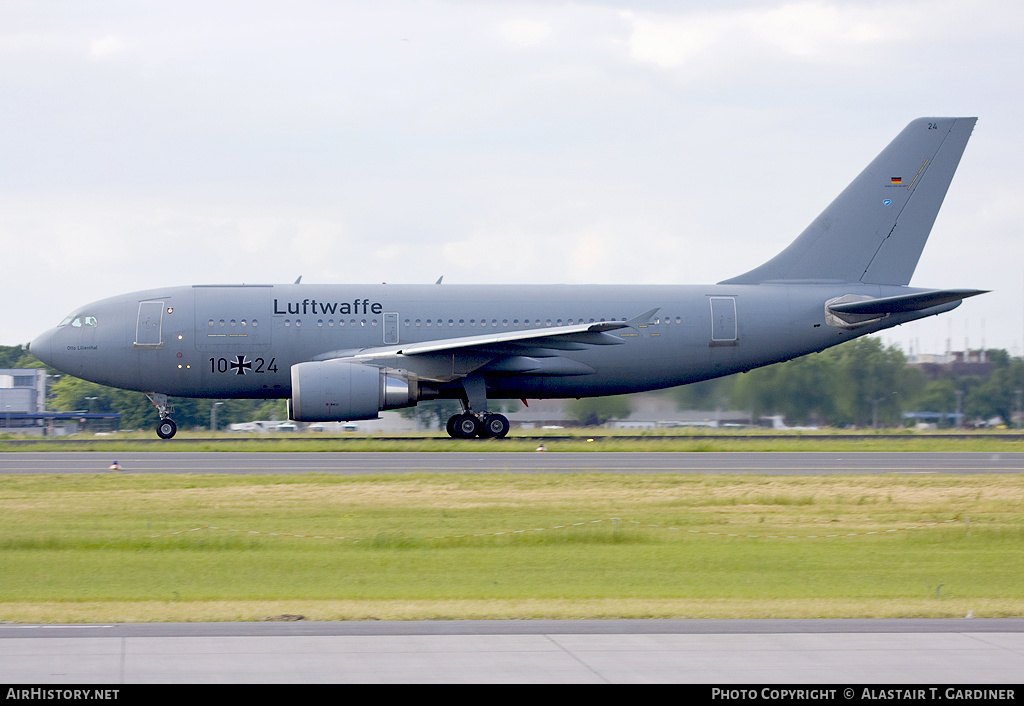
x=241 y=341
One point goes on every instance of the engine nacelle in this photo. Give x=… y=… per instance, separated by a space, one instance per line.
x=334 y=391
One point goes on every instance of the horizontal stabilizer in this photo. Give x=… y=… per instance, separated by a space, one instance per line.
x=904 y=302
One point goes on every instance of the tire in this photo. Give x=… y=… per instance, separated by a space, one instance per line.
x=166 y=428
x=495 y=426
x=465 y=426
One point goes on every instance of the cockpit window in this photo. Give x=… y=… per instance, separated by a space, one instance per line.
x=78 y=321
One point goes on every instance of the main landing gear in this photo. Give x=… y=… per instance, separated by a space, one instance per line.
x=165 y=428
x=486 y=426
x=482 y=423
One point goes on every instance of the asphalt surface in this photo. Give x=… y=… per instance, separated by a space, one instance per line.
x=838 y=654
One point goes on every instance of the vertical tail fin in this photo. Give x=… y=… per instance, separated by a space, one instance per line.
x=876 y=228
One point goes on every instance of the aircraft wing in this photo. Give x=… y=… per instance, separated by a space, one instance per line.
x=529 y=351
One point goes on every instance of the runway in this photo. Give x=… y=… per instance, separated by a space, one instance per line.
x=355 y=462
x=837 y=653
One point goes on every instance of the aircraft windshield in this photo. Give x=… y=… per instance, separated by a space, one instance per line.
x=78 y=321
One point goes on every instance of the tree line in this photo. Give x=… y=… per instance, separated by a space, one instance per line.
x=859 y=383
x=863 y=383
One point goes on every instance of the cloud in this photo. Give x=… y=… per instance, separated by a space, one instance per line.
x=107 y=47
x=525 y=33
x=705 y=42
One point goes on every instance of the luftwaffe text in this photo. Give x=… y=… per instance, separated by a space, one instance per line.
x=312 y=306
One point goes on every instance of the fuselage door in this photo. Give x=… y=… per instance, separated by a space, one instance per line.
x=390 y=328
x=723 y=321
x=150 y=324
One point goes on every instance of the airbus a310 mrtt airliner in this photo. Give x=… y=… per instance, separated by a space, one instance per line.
x=346 y=352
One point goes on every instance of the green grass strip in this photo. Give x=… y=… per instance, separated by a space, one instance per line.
x=81 y=548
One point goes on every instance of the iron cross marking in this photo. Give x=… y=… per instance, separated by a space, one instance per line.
x=239 y=364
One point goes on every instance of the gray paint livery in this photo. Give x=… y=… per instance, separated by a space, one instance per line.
x=342 y=352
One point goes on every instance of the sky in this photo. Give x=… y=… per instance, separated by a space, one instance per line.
x=148 y=144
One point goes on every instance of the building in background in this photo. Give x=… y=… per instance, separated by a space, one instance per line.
x=23 y=408
x=22 y=397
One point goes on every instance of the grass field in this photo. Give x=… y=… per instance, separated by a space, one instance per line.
x=118 y=547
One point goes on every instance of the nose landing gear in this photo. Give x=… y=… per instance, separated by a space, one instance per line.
x=165 y=428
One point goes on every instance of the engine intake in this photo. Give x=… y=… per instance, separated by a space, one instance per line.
x=334 y=391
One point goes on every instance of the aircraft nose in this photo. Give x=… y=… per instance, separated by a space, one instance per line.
x=42 y=347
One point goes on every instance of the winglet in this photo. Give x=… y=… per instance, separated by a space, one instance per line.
x=643 y=318
x=632 y=323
